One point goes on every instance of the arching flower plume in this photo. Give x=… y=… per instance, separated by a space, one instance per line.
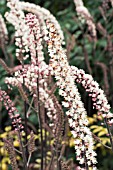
x=31 y=30
x=98 y=97
x=28 y=39
x=76 y=113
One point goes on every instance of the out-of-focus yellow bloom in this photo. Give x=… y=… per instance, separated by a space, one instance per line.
x=8 y=128
x=47 y=133
x=91 y=120
x=71 y=142
x=3 y=152
x=51 y=142
x=65 y=142
x=4 y=166
x=90 y=168
x=6 y=160
x=48 y=153
x=18 y=158
x=36 y=137
x=23 y=133
x=28 y=137
x=38 y=160
x=3 y=135
x=37 y=166
x=16 y=143
x=1 y=143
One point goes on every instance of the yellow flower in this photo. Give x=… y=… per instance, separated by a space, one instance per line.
x=5 y=160
x=4 y=166
x=38 y=160
x=16 y=143
x=3 y=135
x=18 y=158
x=8 y=128
x=1 y=143
x=3 y=151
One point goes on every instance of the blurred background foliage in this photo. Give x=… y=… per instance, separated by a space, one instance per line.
x=95 y=57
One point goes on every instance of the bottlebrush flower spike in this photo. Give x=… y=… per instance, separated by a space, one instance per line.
x=98 y=97
x=32 y=42
x=12 y=111
x=84 y=13
x=28 y=38
x=16 y=17
x=42 y=14
x=12 y=155
x=76 y=113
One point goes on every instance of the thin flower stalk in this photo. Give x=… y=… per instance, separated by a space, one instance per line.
x=83 y=12
x=3 y=30
x=3 y=36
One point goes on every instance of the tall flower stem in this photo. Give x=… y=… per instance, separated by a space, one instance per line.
x=23 y=152
x=26 y=134
x=25 y=117
x=40 y=122
x=109 y=132
x=58 y=162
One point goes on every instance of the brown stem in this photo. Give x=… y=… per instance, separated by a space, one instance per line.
x=109 y=132
x=87 y=60
x=97 y=139
x=23 y=151
x=26 y=134
x=104 y=69
x=40 y=122
x=25 y=117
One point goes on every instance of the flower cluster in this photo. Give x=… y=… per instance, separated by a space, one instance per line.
x=28 y=36
x=38 y=68
x=43 y=14
x=12 y=111
x=11 y=151
x=16 y=18
x=76 y=113
x=98 y=97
